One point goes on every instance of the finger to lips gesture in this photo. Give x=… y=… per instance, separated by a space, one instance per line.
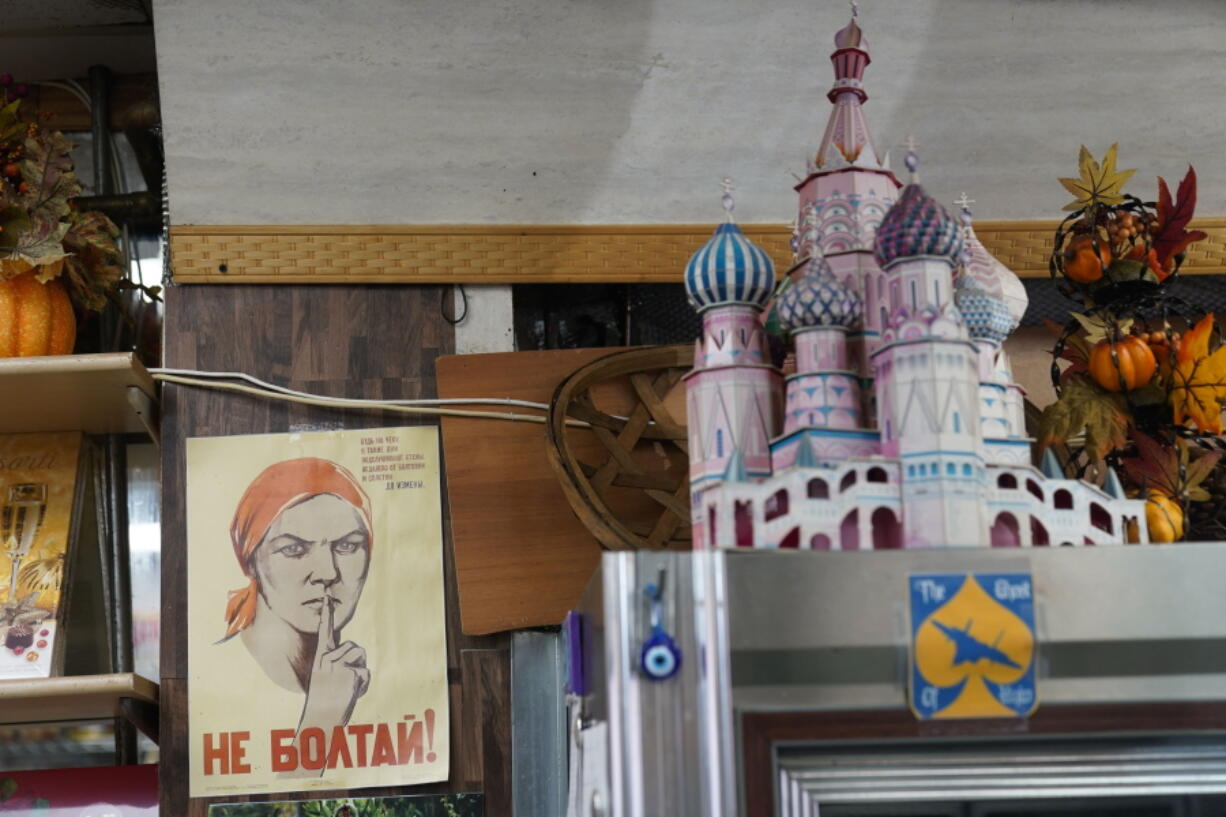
x=339 y=675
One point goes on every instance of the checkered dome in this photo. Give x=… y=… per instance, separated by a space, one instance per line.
x=986 y=316
x=917 y=226
x=817 y=298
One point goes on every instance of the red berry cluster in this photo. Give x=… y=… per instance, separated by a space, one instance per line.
x=12 y=151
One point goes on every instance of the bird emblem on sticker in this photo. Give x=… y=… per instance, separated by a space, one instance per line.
x=973 y=649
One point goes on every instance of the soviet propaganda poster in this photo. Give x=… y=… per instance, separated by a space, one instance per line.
x=317 y=655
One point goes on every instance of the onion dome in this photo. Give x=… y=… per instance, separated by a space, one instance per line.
x=850 y=36
x=992 y=275
x=917 y=226
x=985 y=316
x=817 y=298
x=729 y=268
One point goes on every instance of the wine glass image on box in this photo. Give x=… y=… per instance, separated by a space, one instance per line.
x=302 y=534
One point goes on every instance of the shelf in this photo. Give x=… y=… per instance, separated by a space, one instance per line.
x=72 y=697
x=107 y=393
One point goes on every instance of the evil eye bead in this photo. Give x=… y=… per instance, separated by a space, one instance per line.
x=660 y=659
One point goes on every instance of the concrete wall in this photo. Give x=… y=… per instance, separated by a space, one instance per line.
x=581 y=111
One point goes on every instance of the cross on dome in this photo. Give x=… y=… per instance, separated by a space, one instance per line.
x=963 y=202
x=912 y=159
x=727 y=200
x=855 y=9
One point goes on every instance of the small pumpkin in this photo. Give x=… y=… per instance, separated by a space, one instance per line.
x=1084 y=263
x=1122 y=365
x=35 y=318
x=1164 y=516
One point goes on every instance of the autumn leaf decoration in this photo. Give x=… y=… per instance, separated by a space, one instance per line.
x=1198 y=380
x=1173 y=217
x=1098 y=183
x=1100 y=418
x=1169 y=468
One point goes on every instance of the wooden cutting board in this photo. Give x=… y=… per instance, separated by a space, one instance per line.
x=522 y=557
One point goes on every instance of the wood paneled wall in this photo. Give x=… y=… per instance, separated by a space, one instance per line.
x=353 y=341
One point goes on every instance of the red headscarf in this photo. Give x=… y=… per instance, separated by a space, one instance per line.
x=278 y=488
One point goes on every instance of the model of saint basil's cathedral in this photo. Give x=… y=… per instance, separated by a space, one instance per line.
x=901 y=426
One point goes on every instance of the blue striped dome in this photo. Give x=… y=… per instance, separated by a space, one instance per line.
x=729 y=269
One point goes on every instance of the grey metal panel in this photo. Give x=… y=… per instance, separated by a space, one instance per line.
x=1019 y=768
x=829 y=630
x=538 y=726
x=654 y=726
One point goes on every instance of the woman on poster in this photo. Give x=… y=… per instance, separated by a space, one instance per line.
x=303 y=535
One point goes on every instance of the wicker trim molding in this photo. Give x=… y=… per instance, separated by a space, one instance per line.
x=503 y=254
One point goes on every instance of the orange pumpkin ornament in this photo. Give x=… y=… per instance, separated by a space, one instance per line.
x=1164 y=517
x=1122 y=365
x=35 y=318
x=1082 y=263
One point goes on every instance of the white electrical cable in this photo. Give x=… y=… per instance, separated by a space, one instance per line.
x=350 y=402
x=263 y=384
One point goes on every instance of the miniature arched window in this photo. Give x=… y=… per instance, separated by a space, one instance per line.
x=1034 y=488
x=719 y=442
x=889 y=430
x=914 y=295
x=1004 y=532
x=723 y=336
x=777 y=504
x=743 y=515
x=957 y=423
x=967 y=470
x=910 y=470
x=1063 y=500
x=1099 y=517
x=951 y=469
x=936 y=291
x=849 y=531
x=1038 y=533
x=1132 y=530
x=887 y=533
x=849 y=479
x=884 y=318
x=744 y=338
x=1006 y=481
x=818 y=489
x=791 y=541
x=877 y=474
x=711 y=525
x=820 y=541
x=936 y=469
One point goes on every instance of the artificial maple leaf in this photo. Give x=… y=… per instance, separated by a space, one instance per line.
x=1156 y=465
x=1074 y=349
x=50 y=180
x=95 y=264
x=1098 y=183
x=1198 y=379
x=1100 y=327
x=1195 y=472
x=1084 y=410
x=1173 y=217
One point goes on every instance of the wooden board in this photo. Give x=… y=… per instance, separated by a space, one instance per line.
x=522 y=557
x=351 y=341
x=73 y=392
x=71 y=697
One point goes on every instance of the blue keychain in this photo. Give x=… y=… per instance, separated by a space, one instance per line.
x=660 y=658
